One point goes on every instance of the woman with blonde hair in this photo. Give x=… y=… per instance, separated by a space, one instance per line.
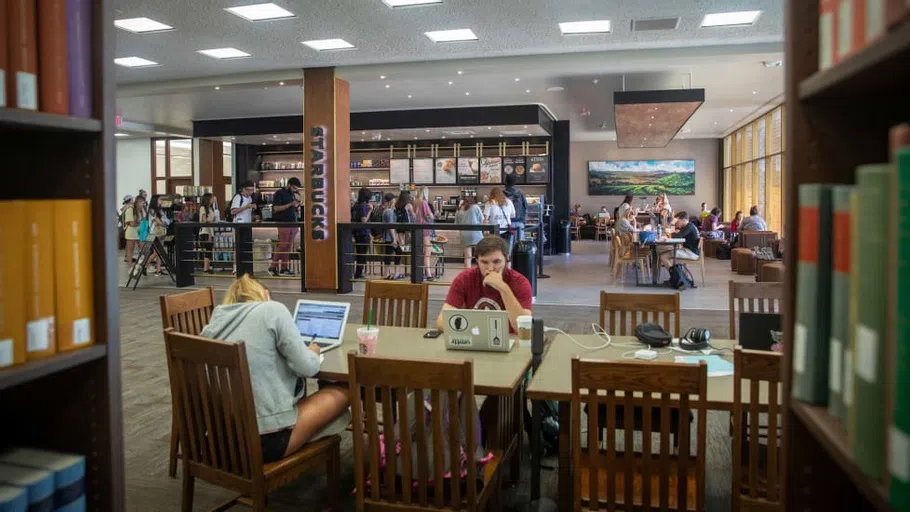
x=279 y=359
x=499 y=211
x=423 y=214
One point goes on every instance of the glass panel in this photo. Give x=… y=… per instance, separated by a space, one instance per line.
x=747 y=146
x=728 y=187
x=775 y=196
x=738 y=187
x=227 y=160
x=762 y=137
x=748 y=199
x=181 y=158
x=739 y=147
x=776 y=131
x=760 y=184
x=160 y=187
x=160 y=159
x=728 y=145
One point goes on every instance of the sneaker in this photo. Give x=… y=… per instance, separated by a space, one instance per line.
x=272 y=272
x=285 y=272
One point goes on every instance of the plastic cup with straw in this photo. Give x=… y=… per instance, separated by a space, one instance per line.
x=368 y=337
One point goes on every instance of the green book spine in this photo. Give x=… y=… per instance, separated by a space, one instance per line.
x=869 y=387
x=853 y=306
x=899 y=442
x=840 y=298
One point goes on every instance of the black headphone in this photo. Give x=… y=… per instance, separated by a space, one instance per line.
x=696 y=339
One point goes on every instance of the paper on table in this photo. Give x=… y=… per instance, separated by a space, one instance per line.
x=717 y=367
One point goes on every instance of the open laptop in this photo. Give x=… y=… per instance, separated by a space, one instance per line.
x=322 y=323
x=755 y=330
x=477 y=329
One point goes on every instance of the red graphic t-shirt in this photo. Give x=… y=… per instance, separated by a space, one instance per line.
x=468 y=291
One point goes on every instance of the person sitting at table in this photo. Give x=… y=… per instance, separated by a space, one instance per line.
x=753 y=222
x=712 y=221
x=623 y=207
x=279 y=359
x=627 y=223
x=490 y=285
x=737 y=220
x=689 y=249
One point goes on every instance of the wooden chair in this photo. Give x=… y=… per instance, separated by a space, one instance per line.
x=210 y=380
x=396 y=304
x=756 y=464
x=445 y=382
x=753 y=298
x=645 y=480
x=627 y=253
x=600 y=229
x=187 y=313
x=701 y=260
x=660 y=306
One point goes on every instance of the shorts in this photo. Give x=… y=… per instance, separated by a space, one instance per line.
x=274 y=444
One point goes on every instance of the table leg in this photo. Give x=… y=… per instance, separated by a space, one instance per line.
x=655 y=266
x=516 y=433
x=566 y=497
x=536 y=449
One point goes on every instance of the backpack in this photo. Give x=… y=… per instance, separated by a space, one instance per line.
x=401 y=216
x=519 y=202
x=549 y=426
x=376 y=217
x=680 y=278
x=723 y=252
x=227 y=211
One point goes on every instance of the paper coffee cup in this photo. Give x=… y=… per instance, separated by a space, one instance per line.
x=525 y=325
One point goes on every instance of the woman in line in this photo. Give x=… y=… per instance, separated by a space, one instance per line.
x=499 y=211
x=469 y=213
x=423 y=214
x=158 y=223
x=132 y=217
x=361 y=213
x=279 y=359
x=207 y=213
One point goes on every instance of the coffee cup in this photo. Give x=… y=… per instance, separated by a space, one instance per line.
x=525 y=324
x=367 y=339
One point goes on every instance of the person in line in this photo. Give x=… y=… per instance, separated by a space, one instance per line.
x=520 y=205
x=279 y=359
x=469 y=213
x=132 y=217
x=360 y=212
x=284 y=209
x=627 y=223
x=242 y=207
x=490 y=285
x=207 y=235
x=689 y=249
x=499 y=212
x=144 y=195
x=404 y=214
x=158 y=223
x=391 y=239
x=423 y=214
x=753 y=222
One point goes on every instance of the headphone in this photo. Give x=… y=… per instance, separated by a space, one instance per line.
x=696 y=339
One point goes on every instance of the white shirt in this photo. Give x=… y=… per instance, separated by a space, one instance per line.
x=240 y=201
x=500 y=215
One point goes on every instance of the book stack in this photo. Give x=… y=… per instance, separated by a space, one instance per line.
x=45 y=56
x=848 y=26
x=50 y=480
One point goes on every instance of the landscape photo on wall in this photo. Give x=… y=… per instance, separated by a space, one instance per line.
x=641 y=177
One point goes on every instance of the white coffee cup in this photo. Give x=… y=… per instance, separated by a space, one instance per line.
x=525 y=325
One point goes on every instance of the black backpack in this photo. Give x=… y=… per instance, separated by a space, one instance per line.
x=519 y=202
x=401 y=216
x=680 y=278
x=549 y=426
x=227 y=211
x=376 y=217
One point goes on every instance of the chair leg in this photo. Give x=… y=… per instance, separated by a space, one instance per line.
x=189 y=483
x=703 y=271
x=175 y=445
x=333 y=477
x=260 y=501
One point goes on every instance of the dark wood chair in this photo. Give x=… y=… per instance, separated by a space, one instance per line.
x=210 y=381
x=187 y=313
x=756 y=457
x=645 y=480
x=753 y=298
x=420 y=484
x=396 y=304
x=651 y=307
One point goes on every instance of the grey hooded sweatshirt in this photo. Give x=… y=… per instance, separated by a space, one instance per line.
x=278 y=356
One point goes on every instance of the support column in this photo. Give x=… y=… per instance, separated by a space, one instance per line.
x=326 y=153
x=211 y=168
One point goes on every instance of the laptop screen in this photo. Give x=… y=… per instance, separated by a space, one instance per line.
x=324 y=320
x=756 y=330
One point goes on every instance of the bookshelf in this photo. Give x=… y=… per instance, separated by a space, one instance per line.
x=71 y=402
x=838 y=119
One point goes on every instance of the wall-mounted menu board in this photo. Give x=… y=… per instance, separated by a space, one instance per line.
x=468 y=170
x=491 y=170
x=514 y=165
x=423 y=171
x=538 y=169
x=399 y=171
x=445 y=171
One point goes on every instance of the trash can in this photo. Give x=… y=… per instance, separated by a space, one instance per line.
x=524 y=261
x=564 y=238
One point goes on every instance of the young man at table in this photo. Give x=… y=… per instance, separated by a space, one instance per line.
x=689 y=248
x=490 y=285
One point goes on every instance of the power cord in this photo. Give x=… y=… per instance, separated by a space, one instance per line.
x=599 y=332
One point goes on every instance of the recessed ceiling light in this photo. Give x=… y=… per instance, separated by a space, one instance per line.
x=428 y=131
x=754 y=92
x=288 y=142
x=232 y=138
x=263 y=143
x=280 y=83
x=410 y=3
x=382 y=77
x=119 y=134
x=489 y=127
x=451 y=36
x=274 y=136
x=460 y=72
x=772 y=63
x=500 y=135
x=529 y=135
x=585 y=27
x=731 y=110
x=260 y=12
x=135 y=62
x=726 y=19
x=596 y=81
x=467 y=94
x=409 y=96
x=528 y=91
x=329 y=44
x=387 y=86
x=472 y=136
x=715 y=122
x=451 y=82
x=141 y=25
x=518 y=79
x=224 y=53
x=217 y=87
x=526 y=127
x=443 y=136
x=556 y=89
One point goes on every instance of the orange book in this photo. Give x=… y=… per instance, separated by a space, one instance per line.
x=22 y=55
x=52 y=53
x=73 y=273
x=39 y=278
x=3 y=54
x=827 y=33
x=12 y=284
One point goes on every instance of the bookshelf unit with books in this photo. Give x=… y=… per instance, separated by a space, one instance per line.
x=67 y=401
x=839 y=120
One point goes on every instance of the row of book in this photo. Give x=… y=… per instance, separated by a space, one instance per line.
x=851 y=346
x=848 y=26
x=33 y=479
x=46 y=56
x=45 y=278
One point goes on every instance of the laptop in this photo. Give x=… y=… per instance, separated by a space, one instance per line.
x=322 y=323
x=756 y=330
x=477 y=330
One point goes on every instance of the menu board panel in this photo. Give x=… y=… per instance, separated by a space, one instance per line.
x=514 y=165
x=468 y=170
x=445 y=171
x=399 y=171
x=491 y=170
x=538 y=169
x=423 y=170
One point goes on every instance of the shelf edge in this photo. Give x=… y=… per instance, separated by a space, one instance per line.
x=34 y=370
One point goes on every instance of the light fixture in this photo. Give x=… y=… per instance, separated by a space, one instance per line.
x=428 y=131
x=329 y=44
x=595 y=81
x=141 y=25
x=451 y=36
x=517 y=79
x=772 y=63
x=274 y=136
x=410 y=3
x=409 y=96
x=363 y=133
x=727 y=19
x=415 y=138
x=731 y=110
x=387 y=86
x=217 y=87
x=500 y=135
x=472 y=136
x=585 y=27
x=260 y=12
x=232 y=138
x=556 y=89
x=443 y=136
x=489 y=127
x=460 y=72
x=263 y=143
x=280 y=83
x=224 y=53
x=467 y=94
x=135 y=62
x=528 y=91
x=119 y=134
x=451 y=82
x=526 y=127
x=382 y=77
x=754 y=92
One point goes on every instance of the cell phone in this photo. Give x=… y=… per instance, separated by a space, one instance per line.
x=432 y=334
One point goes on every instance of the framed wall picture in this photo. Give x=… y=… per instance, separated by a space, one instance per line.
x=422 y=169
x=468 y=172
x=538 y=169
x=514 y=165
x=399 y=171
x=491 y=170
x=641 y=177
x=445 y=171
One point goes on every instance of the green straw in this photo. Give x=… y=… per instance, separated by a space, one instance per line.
x=369 y=319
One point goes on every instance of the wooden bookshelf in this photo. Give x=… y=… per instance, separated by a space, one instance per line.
x=837 y=120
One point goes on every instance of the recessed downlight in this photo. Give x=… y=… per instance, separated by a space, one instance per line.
x=224 y=53
x=329 y=44
x=451 y=36
x=585 y=27
x=556 y=89
x=410 y=3
x=729 y=19
x=141 y=25
x=135 y=62
x=260 y=12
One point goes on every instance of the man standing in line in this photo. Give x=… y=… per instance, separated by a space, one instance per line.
x=284 y=209
x=242 y=209
x=521 y=210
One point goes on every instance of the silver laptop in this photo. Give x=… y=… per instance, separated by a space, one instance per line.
x=479 y=330
x=322 y=323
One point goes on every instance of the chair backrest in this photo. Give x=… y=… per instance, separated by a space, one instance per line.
x=753 y=298
x=396 y=304
x=450 y=387
x=187 y=312
x=653 y=307
x=750 y=239
x=756 y=467
x=215 y=412
x=656 y=382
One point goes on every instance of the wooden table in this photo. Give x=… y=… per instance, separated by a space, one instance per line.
x=655 y=257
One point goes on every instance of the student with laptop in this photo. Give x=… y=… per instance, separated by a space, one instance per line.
x=490 y=285
x=279 y=358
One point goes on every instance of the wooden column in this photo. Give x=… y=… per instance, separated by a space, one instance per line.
x=326 y=152
x=211 y=168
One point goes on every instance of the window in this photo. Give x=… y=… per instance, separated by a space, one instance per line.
x=172 y=166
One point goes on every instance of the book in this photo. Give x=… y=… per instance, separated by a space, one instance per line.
x=841 y=241
x=22 y=55
x=813 y=296
x=899 y=435
x=39 y=278
x=827 y=33
x=52 y=55
x=73 y=273
x=79 y=45
x=38 y=484
x=68 y=471
x=868 y=447
x=849 y=374
x=13 y=499
x=875 y=20
x=3 y=52
x=12 y=284
x=851 y=27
